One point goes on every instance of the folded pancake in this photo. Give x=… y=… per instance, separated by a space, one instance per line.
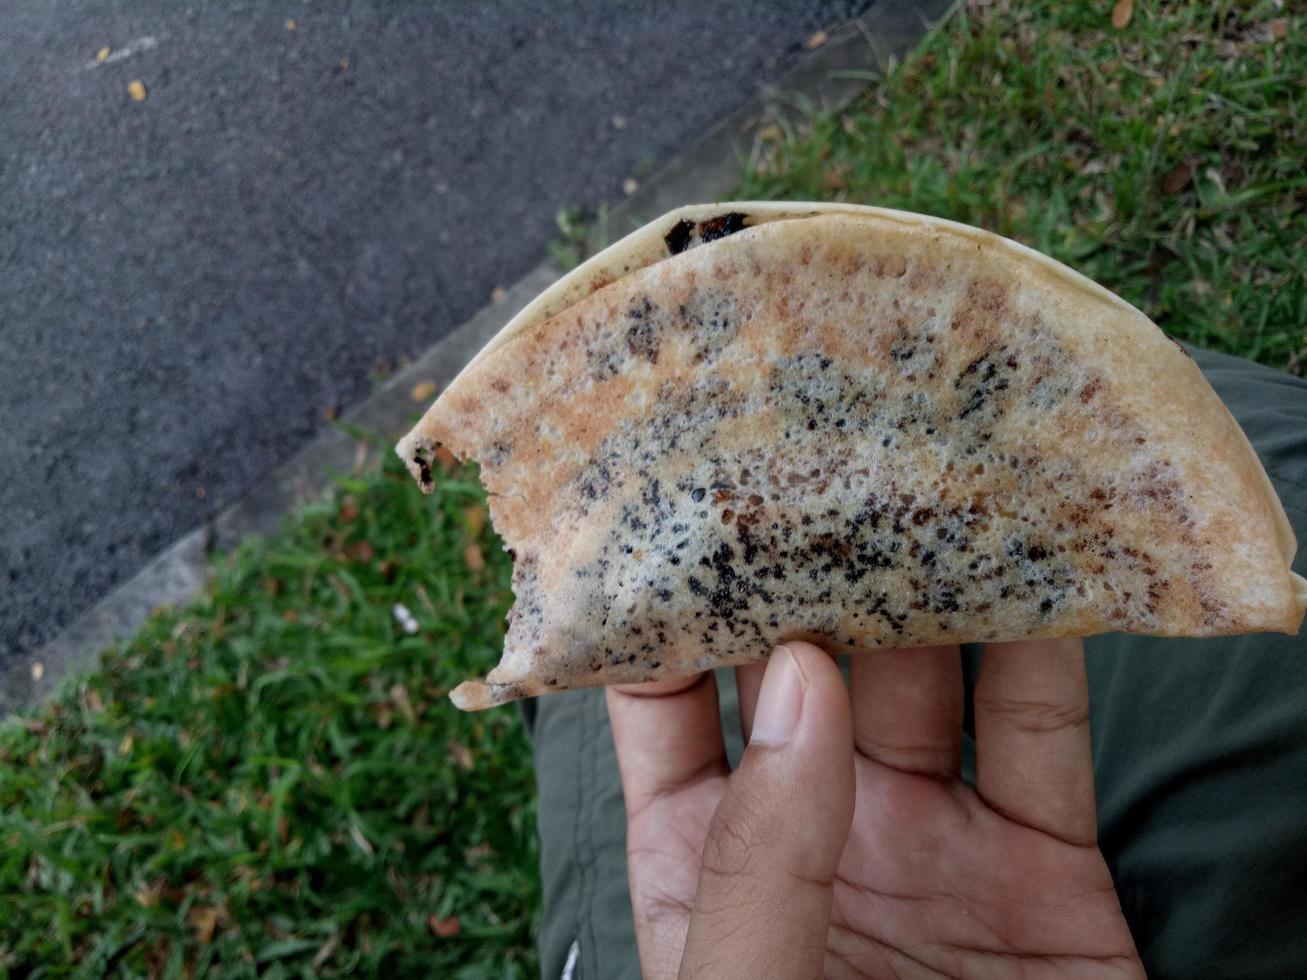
x=749 y=423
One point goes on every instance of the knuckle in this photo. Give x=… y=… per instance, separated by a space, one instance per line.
x=1034 y=716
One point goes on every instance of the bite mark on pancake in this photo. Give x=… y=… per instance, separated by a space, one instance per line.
x=836 y=439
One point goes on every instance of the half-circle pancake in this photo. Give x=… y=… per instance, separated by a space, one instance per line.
x=751 y=423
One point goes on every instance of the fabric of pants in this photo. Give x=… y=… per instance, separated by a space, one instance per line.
x=1200 y=757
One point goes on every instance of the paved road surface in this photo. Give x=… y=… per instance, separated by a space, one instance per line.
x=189 y=281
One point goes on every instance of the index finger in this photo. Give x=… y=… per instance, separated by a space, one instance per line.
x=1034 y=762
x=668 y=736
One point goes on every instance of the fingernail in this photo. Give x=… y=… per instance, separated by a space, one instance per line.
x=780 y=699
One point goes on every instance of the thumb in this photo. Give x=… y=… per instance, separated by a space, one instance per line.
x=764 y=899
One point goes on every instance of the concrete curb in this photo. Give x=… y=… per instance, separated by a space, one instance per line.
x=828 y=79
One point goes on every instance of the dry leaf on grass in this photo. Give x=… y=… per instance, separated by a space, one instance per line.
x=460 y=754
x=148 y=894
x=1122 y=13
x=1178 y=178
x=403 y=704
x=446 y=459
x=817 y=40
x=444 y=928
x=476 y=519
x=473 y=558
x=136 y=89
x=422 y=391
x=205 y=921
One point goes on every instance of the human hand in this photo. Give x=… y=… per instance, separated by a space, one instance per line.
x=846 y=843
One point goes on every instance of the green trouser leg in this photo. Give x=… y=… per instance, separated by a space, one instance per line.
x=1200 y=752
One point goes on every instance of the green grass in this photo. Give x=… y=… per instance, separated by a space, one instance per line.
x=271 y=781
x=1167 y=161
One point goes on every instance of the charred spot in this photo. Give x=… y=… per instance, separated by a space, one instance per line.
x=678 y=238
x=641 y=332
x=686 y=234
x=722 y=225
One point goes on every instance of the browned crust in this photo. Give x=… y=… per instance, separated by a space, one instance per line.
x=1149 y=379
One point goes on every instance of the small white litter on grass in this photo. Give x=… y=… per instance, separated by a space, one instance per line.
x=405 y=618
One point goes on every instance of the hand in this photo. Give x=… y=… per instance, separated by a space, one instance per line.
x=846 y=843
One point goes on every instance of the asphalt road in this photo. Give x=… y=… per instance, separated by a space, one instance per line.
x=306 y=195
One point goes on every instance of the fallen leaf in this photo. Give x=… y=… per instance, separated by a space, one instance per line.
x=422 y=391
x=444 y=928
x=837 y=178
x=205 y=922
x=381 y=714
x=1279 y=28
x=1178 y=178
x=771 y=134
x=349 y=511
x=361 y=552
x=446 y=459
x=148 y=895
x=344 y=64
x=126 y=745
x=38 y=670
x=92 y=699
x=136 y=89
x=473 y=558
x=400 y=699
x=476 y=519
x=331 y=412
x=630 y=186
x=461 y=754
x=291 y=25
x=103 y=54
x=1122 y=13
x=817 y=40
